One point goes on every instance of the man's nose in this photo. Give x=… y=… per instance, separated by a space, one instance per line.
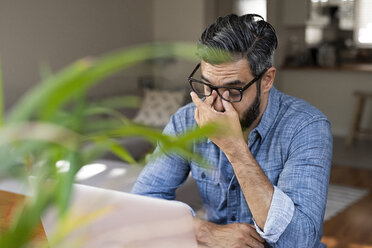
x=218 y=106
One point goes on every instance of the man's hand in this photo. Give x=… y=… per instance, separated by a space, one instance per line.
x=230 y=129
x=256 y=187
x=234 y=235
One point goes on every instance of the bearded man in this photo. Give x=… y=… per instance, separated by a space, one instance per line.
x=268 y=180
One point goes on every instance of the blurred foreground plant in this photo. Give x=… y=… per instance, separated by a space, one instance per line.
x=52 y=123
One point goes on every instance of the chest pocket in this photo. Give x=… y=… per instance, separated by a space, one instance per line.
x=208 y=181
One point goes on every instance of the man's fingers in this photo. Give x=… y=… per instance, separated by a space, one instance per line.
x=196 y=115
x=227 y=105
x=251 y=237
x=208 y=102
x=254 y=234
x=254 y=243
x=197 y=101
x=210 y=99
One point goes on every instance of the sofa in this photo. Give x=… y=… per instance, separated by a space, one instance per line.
x=155 y=110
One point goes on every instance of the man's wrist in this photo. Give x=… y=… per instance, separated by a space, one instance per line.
x=203 y=231
x=238 y=151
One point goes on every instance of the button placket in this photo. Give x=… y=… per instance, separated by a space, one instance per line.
x=252 y=138
x=233 y=199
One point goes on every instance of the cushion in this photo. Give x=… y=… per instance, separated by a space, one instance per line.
x=158 y=106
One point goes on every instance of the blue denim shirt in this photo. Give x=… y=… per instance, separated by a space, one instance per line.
x=292 y=144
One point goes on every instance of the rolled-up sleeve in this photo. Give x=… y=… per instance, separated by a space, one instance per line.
x=295 y=217
x=278 y=218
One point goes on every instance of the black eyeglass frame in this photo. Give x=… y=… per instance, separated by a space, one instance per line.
x=240 y=89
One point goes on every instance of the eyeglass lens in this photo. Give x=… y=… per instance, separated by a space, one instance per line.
x=204 y=90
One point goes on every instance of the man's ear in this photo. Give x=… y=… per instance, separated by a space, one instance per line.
x=267 y=80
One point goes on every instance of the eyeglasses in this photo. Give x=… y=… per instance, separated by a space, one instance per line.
x=204 y=89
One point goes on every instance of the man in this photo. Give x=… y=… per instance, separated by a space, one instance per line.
x=269 y=174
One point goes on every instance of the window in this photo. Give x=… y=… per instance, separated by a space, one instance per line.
x=363 y=21
x=329 y=21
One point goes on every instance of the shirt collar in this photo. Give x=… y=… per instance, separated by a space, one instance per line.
x=269 y=115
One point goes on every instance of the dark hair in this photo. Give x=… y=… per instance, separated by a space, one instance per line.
x=247 y=36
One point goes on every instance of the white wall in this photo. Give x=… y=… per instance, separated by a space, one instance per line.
x=177 y=20
x=59 y=32
x=331 y=91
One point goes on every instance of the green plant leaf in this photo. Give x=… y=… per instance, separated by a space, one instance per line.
x=121 y=152
x=49 y=96
x=54 y=123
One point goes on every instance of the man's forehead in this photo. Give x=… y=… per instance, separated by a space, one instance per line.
x=228 y=68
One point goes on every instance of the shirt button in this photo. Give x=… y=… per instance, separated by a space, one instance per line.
x=203 y=175
x=233 y=218
x=232 y=187
x=218 y=184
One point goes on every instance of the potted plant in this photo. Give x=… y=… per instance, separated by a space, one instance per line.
x=51 y=123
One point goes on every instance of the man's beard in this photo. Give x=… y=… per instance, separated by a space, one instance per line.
x=251 y=114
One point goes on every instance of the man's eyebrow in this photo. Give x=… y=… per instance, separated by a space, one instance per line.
x=236 y=82
x=205 y=79
x=233 y=83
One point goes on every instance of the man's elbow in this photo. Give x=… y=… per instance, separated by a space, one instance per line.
x=301 y=232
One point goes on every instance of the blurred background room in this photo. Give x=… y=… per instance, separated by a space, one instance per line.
x=324 y=57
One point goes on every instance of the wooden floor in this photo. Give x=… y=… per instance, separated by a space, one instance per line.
x=352 y=228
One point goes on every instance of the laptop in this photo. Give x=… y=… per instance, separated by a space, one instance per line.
x=108 y=218
x=100 y=217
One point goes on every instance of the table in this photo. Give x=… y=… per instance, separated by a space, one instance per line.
x=8 y=204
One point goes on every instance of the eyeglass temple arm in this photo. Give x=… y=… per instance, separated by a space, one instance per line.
x=254 y=80
x=193 y=72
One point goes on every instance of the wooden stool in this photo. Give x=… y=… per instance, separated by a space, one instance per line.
x=355 y=128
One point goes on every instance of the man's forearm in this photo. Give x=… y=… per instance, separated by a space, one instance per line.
x=256 y=187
